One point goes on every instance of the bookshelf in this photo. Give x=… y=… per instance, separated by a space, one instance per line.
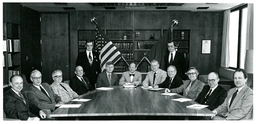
x=11 y=51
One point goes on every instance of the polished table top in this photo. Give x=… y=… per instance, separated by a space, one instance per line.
x=130 y=102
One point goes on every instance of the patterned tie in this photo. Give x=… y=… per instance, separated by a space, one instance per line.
x=22 y=97
x=187 y=89
x=207 y=96
x=109 y=78
x=90 y=56
x=86 y=85
x=233 y=97
x=42 y=89
x=170 y=83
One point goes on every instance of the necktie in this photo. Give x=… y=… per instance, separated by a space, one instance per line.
x=171 y=58
x=22 y=97
x=170 y=83
x=187 y=89
x=207 y=96
x=90 y=56
x=131 y=77
x=42 y=89
x=154 y=78
x=63 y=87
x=109 y=79
x=233 y=97
x=86 y=85
x=131 y=74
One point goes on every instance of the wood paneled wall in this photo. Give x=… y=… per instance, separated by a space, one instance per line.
x=202 y=25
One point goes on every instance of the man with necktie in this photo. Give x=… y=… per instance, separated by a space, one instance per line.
x=89 y=60
x=192 y=87
x=238 y=104
x=16 y=105
x=41 y=94
x=132 y=76
x=155 y=76
x=107 y=78
x=172 y=81
x=212 y=94
x=61 y=89
x=80 y=83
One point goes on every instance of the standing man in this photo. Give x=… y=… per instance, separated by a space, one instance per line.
x=131 y=77
x=41 y=94
x=172 y=81
x=80 y=83
x=175 y=58
x=16 y=105
x=212 y=94
x=89 y=60
x=155 y=76
x=107 y=78
x=238 y=104
x=61 y=89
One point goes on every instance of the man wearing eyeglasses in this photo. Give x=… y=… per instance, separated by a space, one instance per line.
x=212 y=94
x=41 y=94
x=190 y=88
x=61 y=89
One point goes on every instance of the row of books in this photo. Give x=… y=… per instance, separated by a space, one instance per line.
x=81 y=44
x=9 y=59
x=12 y=59
x=145 y=44
x=11 y=45
x=124 y=45
x=119 y=68
x=127 y=56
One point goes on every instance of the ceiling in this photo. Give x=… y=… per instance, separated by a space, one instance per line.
x=62 y=7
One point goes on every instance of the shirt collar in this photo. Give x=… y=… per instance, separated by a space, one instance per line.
x=214 y=87
x=15 y=92
x=239 y=89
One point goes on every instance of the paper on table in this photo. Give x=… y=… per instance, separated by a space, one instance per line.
x=155 y=89
x=182 y=99
x=70 y=106
x=81 y=100
x=129 y=86
x=105 y=88
x=197 y=106
x=169 y=94
x=149 y=87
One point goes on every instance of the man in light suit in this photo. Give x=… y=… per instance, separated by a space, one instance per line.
x=155 y=76
x=212 y=94
x=131 y=77
x=192 y=87
x=89 y=60
x=107 y=78
x=41 y=94
x=16 y=105
x=61 y=89
x=172 y=81
x=80 y=83
x=238 y=104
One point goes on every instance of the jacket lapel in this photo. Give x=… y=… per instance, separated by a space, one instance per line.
x=238 y=96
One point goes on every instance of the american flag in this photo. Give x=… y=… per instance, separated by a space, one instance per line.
x=107 y=50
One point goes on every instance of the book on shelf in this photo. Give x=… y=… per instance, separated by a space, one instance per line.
x=4 y=46
x=9 y=42
x=3 y=60
x=16 y=45
x=9 y=57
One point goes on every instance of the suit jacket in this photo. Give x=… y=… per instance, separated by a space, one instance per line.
x=90 y=71
x=194 y=90
x=66 y=94
x=241 y=108
x=78 y=86
x=179 y=62
x=176 y=82
x=160 y=77
x=126 y=78
x=102 y=80
x=215 y=99
x=38 y=98
x=14 y=106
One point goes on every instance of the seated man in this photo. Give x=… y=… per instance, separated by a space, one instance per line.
x=107 y=78
x=61 y=89
x=190 y=88
x=155 y=76
x=16 y=105
x=41 y=94
x=212 y=94
x=239 y=102
x=131 y=77
x=80 y=83
x=172 y=81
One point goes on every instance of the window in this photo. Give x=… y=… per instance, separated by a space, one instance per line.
x=237 y=37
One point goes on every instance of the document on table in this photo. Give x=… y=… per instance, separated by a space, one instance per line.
x=182 y=99
x=197 y=106
x=128 y=86
x=155 y=89
x=149 y=87
x=105 y=88
x=169 y=94
x=70 y=106
x=81 y=100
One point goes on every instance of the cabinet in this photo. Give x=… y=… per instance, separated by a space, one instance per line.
x=135 y=43
x=11 y=51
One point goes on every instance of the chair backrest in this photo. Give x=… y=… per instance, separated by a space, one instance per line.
x=226 y=87
x=66 y=82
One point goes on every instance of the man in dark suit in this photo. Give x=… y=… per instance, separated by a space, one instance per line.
x=212 y=94
x=177 y=59
x=238 y=105
x=89 y=60
x=41 y=94
x=107 y=78
x=80 y=83
x=172 y=81
x=16 y=105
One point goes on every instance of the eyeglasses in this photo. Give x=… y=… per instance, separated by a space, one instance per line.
x=193 y=73
x=36 y=78
x=211 y=80
x=57 y=76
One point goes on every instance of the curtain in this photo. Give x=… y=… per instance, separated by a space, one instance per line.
x=249 y=37
x=225 y=40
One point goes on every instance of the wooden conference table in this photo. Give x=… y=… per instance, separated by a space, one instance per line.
x=129 y=103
